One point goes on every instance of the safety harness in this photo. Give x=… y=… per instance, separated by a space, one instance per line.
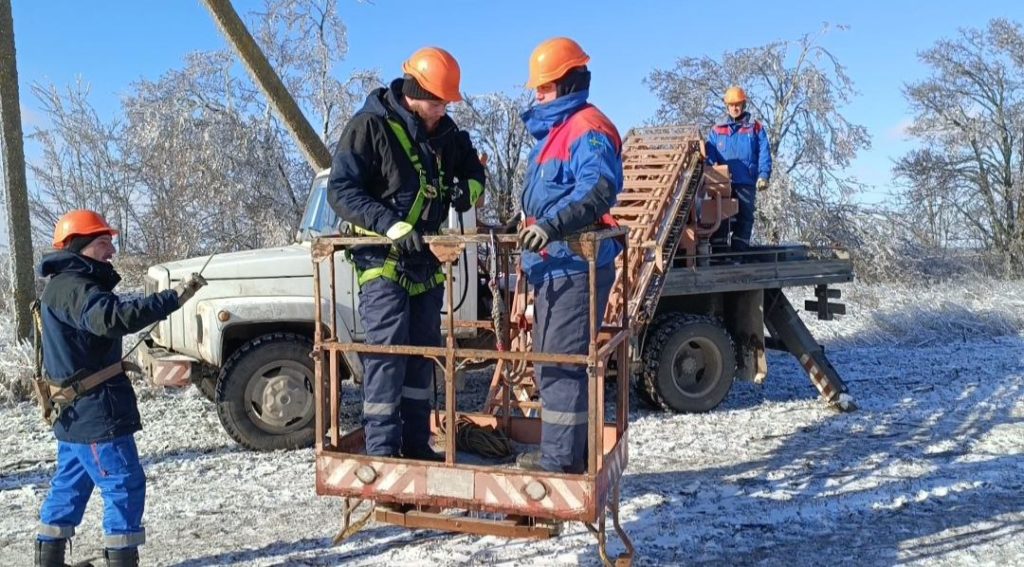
x=53 y=399
x=389 y=270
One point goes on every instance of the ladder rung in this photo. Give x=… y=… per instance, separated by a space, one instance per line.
x=625 y=211
x=626 y=196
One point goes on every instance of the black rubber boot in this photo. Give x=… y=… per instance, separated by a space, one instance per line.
x=51 y=553
x=126 y=557
x=423 y=454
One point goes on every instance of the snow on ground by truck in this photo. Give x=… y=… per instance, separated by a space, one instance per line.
x=927 y=472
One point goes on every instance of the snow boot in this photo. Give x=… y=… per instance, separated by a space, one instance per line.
x=50 y=553
x=125 y=557
x=423 y=454
x=529 y=461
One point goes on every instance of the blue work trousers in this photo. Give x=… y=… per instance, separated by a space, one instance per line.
x=561 y=325
x=114 y=467
x=397 y=388
x=741 y=226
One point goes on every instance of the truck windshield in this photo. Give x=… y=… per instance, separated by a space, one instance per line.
x=319 y=218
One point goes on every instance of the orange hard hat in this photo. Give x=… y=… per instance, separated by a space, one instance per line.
x=80 y=222
x=436 y=71
x=553 y=59
x=734 y=95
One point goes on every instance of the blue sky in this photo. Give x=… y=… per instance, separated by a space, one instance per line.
x=111 y=43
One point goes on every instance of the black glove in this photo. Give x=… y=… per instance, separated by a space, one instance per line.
x=406 y=238
x=533 y=238
x=460 y=197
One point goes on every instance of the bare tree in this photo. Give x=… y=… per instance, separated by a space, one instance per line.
x=930 y=196
x=797 y=89
x=269 y=82
x=81 y=165
x=12 y=159
x=219 y=170
x=969 y=120
x=197 y=161
x=494 y=123
x=306 y=39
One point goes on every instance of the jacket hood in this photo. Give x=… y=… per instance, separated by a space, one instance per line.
x=386 y=103
x=542 y=118
x=62 y=261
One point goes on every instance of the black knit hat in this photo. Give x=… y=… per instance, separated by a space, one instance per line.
x=78 y=243
x=577 y=79
x=412 y=89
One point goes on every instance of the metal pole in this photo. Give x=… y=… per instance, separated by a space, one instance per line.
x=449 y=372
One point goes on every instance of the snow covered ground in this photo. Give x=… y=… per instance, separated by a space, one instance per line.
x=929 y=471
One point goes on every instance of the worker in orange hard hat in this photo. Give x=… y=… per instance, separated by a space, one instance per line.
x=86 y=396
x=741 y=143
x=399 y=166
x=82 y=225
x=573 y=177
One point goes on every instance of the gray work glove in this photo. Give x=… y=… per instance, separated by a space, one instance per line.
x=188 y=287
x=406 y=238
x=762 y=184
x=533 y=238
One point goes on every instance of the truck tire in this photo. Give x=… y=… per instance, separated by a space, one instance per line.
x=265 y=393
x=643 y=392
x=690 y=363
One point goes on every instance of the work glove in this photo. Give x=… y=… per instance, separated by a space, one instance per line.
x=461 y=197
x=188 y=287
x=533 y=238
x=762 y=184
x=467 y=194
x=405 y=237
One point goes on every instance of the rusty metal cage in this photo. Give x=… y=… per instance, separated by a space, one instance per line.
x=489 y=500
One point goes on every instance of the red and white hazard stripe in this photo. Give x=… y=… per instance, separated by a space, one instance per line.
x=172 y=374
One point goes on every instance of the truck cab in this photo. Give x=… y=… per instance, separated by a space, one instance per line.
x=245 y=339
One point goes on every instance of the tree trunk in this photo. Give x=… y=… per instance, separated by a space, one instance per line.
x=316 y=152
x=19 y=227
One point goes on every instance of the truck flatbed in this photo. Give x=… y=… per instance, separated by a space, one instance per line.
x=813 y=270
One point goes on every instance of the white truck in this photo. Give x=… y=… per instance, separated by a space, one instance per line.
x=245 y=339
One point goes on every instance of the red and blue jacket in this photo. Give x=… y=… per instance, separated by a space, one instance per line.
x=743 y=146
x=573 y=177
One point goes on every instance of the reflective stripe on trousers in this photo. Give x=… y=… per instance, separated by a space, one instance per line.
x=561 y=325
x=396 y=389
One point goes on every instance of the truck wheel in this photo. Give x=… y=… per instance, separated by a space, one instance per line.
x=643 y=391
x=691 y=363
x=265 y=393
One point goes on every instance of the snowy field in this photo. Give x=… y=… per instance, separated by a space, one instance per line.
x=929 y=471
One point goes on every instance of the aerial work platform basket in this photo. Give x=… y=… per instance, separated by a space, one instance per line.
x=463 y=495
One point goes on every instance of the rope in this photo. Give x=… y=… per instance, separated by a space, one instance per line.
x=485 y=441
